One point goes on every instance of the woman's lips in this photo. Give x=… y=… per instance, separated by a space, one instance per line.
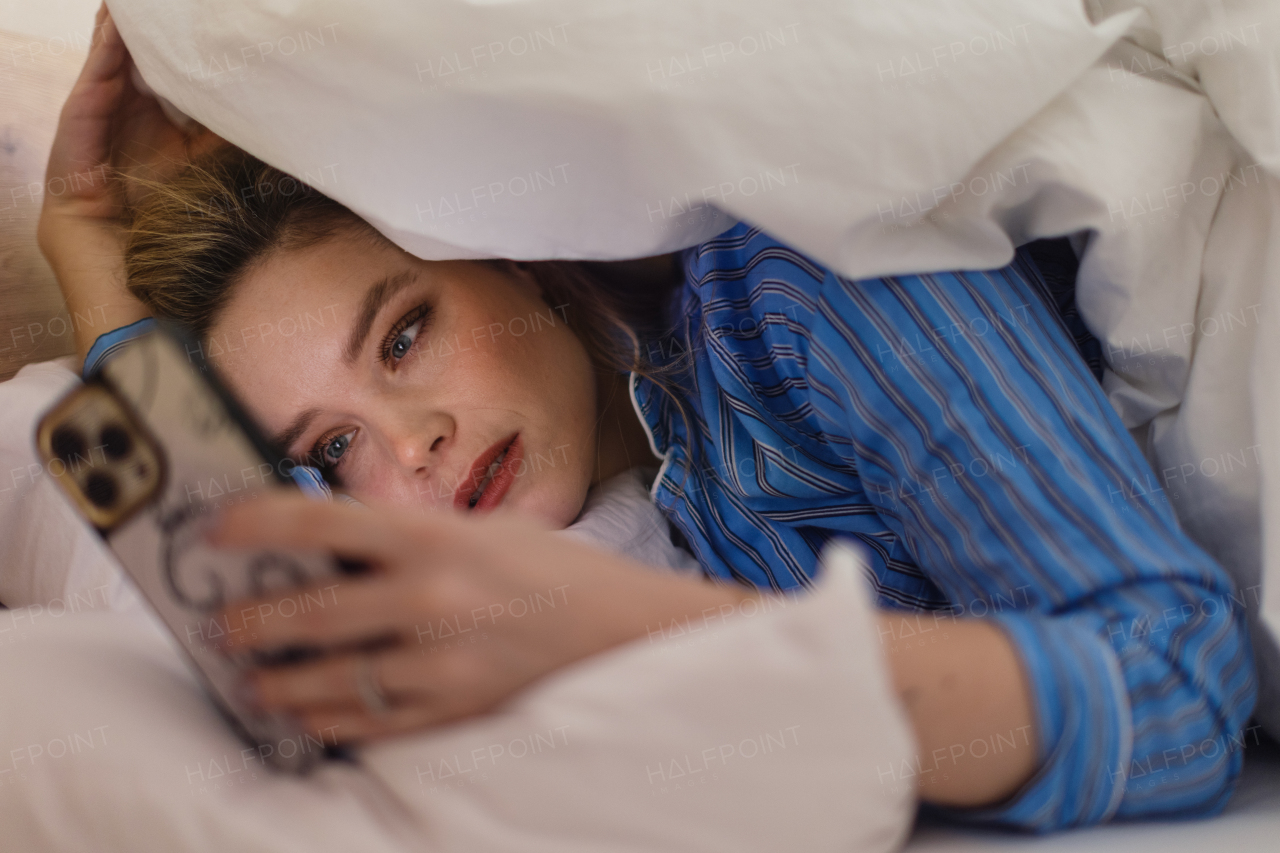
x=498 y=484
x=503 y=478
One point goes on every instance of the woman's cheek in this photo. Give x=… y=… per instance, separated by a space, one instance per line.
x=369 y=479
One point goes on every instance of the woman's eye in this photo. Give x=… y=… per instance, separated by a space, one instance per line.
x=333 y=449
x=400 y=339
x=404 y=341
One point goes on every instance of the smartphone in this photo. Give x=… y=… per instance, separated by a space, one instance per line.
x=146 y=450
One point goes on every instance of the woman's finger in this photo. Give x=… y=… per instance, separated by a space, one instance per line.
x=453 y=684
x=436 y=699
x=105 y=63
x=329 y=682
x=355 y=725
x=339 y=681
x=449 y=686
x=328 y=614
x=83 y=139
x=292 y=521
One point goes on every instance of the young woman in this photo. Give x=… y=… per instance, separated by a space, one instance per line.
x=945 y=421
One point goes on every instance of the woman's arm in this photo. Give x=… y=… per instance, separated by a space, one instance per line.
x=107 y=130
x=970 y=708
x=996 y=460
x=440 y=577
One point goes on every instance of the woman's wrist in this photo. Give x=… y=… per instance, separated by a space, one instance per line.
x=87 y=258
x=963 y=688
x=625 y=601
x=688 y=604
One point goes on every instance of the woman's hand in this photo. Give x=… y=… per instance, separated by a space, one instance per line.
x=107 y=128
x=461 y=612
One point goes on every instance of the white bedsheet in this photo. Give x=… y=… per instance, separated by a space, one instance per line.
x=879 y=137
x=1250 y=824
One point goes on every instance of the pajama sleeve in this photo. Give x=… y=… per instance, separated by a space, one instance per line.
x=109 y=343
x=989 y=449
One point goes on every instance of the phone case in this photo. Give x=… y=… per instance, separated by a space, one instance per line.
x=146 y=449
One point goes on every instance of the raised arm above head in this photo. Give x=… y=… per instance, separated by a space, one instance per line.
x=109 y=132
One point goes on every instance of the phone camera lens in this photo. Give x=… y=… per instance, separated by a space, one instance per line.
x=101 y=490
x=116 y=442
x=68 y=444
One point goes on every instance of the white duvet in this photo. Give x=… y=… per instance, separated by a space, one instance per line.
x=877 y=136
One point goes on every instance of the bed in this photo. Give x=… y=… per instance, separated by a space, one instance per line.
x=1249 y=823
x=32 y=331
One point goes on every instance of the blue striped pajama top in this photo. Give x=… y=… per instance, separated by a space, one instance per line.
x=948 y=424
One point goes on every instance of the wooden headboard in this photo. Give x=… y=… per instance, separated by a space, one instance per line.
x=34 y=325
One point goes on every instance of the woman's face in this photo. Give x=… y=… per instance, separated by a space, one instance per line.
x=445 y=383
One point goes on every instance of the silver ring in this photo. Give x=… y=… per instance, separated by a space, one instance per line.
x=368 y=689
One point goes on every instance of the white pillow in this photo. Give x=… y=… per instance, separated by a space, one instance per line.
x=51 y=561
x=758 y=732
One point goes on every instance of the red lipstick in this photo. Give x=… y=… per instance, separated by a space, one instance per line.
x=490 y=476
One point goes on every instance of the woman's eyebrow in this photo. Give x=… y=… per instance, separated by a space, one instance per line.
x=378 y=294
x=287 y=436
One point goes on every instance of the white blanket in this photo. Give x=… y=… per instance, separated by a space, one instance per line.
x=877 y=136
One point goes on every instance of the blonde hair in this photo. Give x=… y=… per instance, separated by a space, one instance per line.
x=192 y=237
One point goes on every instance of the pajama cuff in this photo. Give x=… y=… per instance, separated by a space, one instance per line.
x=109 y=343
x=1084 y=727
x=311 y=482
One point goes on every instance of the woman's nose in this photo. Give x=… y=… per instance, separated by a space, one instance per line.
x=417 y=446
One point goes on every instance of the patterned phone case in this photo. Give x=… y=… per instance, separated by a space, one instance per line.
x=146 y=449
